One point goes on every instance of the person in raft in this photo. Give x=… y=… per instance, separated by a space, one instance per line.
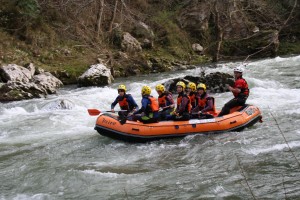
x=191 y=92
x=183 y=108
x=126 y=102
x=205 y=104
x=240 y=91
x=165 y=101
x=148 y=113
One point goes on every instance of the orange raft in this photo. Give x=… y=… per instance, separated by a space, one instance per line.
x=108 y=125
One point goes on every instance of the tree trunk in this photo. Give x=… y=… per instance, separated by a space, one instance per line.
x=99 y=18
x=219 y=35
x=113 y=16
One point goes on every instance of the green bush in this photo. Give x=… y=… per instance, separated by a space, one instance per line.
x=17 y=14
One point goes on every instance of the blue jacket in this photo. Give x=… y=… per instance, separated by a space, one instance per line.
x=146 y=107
x=131 y=102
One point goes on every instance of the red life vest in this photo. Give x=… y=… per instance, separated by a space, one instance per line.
x=243 y=85
x=192 y=97
x=154 y=104
x=188 y=107
x=202 y=102
x=123 y=102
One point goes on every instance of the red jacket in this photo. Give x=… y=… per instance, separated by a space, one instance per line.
x=243 y=86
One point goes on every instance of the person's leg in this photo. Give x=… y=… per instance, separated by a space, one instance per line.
x=170 y=117
x=226 y=108
x=148 y=119
x=241 y=101
x=123 y=113
x=183 y=117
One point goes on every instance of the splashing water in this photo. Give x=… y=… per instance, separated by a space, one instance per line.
x=49 y=149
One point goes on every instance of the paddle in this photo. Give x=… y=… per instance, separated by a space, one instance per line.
x=94 y=112
x=163 y=108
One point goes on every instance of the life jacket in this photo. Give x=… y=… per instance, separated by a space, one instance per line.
x=154 y=104
x=123 y=103
x=192 y=97
x=203 y=101
x=243 y=85
x=188 y=107
x=163 y=100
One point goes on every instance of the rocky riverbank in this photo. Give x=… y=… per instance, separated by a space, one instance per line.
x=19 y=83
x=131 y=38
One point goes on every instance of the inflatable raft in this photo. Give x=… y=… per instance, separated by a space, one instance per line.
x=108 y=125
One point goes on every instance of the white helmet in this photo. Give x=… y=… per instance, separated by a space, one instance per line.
x=238 y=69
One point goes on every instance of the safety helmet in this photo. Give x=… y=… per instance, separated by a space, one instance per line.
x=180 y=83
x=238 y=69
x=122 y=87
x=160 y=87
x=201 y=86
x=192 y=86
x=146 y=90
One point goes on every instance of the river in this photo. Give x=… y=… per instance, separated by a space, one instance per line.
x=49 y=151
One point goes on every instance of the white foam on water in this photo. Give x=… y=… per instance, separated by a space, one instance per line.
x=41 y=122
x=275 y=98
x=104 y=174
x=13 y=111
x=277 y=147
x=40 y=196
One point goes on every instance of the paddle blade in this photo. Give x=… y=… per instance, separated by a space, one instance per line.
x=94 y=112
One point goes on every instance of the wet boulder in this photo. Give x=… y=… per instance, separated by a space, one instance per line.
x=19 y=83
x=13 y=72
x=47 y=82
x=96 y=75
x=31 y=68
x=15 y=91
x=215 y=82
x=60 y=104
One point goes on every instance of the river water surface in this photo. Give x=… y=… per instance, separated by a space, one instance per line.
x=49 y=151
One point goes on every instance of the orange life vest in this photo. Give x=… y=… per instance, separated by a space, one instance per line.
x=162 y=100
x=203 y=101
x=154 y=104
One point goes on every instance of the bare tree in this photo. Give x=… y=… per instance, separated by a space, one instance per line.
x=99 y=17
x=113 y=15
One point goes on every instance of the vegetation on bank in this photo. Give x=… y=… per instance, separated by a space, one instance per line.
x=71 y=35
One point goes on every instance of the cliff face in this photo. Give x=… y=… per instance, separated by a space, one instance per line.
x=144 y=35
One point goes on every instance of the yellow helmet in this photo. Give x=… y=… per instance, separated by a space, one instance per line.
x=160 y=87
x=146 y=90
x=122 y=87
x=201 y=85
x=180 y=83
x=192 y=86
